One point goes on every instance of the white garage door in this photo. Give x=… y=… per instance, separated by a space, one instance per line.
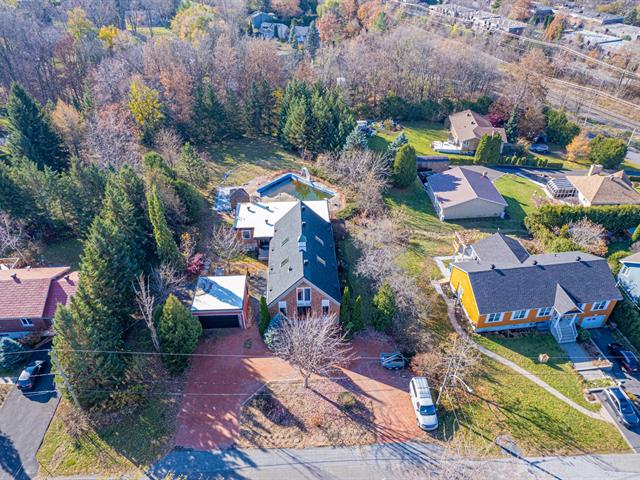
x=593 y=322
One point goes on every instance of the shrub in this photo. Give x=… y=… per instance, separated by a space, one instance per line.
x=191 y=199
x=404 y=166
x=384 y=307
x=608 y=152
x=12 y=353
x=583 y=335
x=614 y=261
x=615 y=218
x=264 y=316
x=345 y=308
x=627 y=317
x=347 y=400
x=559 y=129
x=195 y=264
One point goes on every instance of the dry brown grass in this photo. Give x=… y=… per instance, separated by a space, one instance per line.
x=286 y=415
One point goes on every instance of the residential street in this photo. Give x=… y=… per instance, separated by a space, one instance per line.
x=23 y=423
x=389 y=461
x=602 y=337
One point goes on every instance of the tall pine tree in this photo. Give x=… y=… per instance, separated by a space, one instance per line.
x=165 y=244
x=312 y=41
x=30 y=132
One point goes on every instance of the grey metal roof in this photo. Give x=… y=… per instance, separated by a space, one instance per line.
x=563 y=302
x=289 y=263
x=500 y=248
x=507 y=286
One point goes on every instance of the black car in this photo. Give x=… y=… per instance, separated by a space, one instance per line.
x=622 y=406
x=30 y=375
x=626 y=357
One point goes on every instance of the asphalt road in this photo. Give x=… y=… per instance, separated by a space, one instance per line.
x=631 y=383
x=411 y=461
x=24 y=419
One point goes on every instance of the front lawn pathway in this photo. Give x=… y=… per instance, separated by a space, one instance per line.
x=508 y=363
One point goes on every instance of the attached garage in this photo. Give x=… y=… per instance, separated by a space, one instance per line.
x=221 y=302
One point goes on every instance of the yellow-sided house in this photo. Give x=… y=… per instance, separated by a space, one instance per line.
x=501 y=286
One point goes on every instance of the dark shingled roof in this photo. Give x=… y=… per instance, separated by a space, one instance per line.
x=500 y=248
x=503 y=285
x=288 y=263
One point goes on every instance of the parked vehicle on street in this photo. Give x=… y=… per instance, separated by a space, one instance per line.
x=626 y=357
x=539 y=148
x=393 y=360
x=30 y=375
x=423 y=404
x=622 y=406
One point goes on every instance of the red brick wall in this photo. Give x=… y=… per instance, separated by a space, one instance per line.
x=316 y=302
x=15 y=325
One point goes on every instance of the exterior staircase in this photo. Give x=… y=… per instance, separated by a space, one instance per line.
x=564 y=331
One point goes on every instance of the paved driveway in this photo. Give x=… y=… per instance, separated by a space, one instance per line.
x=602 y=337
x=24 y=420
x=219 y=383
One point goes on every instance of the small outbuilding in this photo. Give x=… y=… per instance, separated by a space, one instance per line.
x=221 y=302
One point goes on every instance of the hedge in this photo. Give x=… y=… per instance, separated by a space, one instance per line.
x=513 y=161
x=615 y=218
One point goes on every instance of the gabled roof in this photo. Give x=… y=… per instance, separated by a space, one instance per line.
x=500 y=248
x=615 y=189
x=507 y=285
x=262 y=217
x=219 y=293
x=460 y=185
x=563 y=303
x=468 y=125
x=34 y=292
x=302 y=247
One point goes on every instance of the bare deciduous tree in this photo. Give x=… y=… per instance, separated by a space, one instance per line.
x=12 y=236
x=589 y=235
x=314 y=345
x=164 y=280
x=146 y=303
x=225 y=244
x=168 y=143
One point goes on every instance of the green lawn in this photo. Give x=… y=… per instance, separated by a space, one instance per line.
x=64 y=252
x=540 y=424
x=245 y=159
x=557 y=372
x=420 y=135
x=518 y=192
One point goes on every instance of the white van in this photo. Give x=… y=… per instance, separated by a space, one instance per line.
x=423 y=403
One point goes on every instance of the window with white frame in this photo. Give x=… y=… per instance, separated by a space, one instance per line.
x=519 y=314
x=246 y=234
x=493 y=318
x=624 y=272
x=544 y=312
x=600 y=305
x=325 y=308
x=282 y=308
x=304 y=296
x=26 y=322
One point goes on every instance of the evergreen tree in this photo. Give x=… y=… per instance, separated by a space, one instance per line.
x=559 y=129
x=191 y=167
x=292 y=33
x=511 y=127
x=30 y=132
x=608 y=152
x=488 y=151
x=404 y=166
x=178 y=332
x=258 y=107
x=299 y=130
x=357 y=323
x=381 y=22
x=165 y=244
x=356 y=140
x=294 y=90
x=384 y=307
x=208 y=117
x=265 y=318
x=345 y=308
x=233 y=117
x=191 y=198
x=154 y=161
x=12 y=353
x=394 y=146
x=312 y=41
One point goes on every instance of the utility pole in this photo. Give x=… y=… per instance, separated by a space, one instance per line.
x=67 y=385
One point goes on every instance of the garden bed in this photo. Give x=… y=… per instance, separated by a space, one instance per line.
x=287 y=415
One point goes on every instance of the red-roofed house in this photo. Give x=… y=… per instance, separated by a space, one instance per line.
x=29 y=298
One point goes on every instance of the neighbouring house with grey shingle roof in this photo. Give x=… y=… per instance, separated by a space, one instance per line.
x=303 y=273
x=504 y=287
x=464 y=193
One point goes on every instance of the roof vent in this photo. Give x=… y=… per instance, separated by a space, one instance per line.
x=485 y=174
x=578 y=258
x=304 y=224
x=14 y=276
x=249 y=209
x=290 y=268
x=493 y=267
x=302 y=207
x=535 y=262
x=306 y=262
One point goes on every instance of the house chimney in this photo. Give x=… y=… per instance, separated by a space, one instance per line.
x=594 y=170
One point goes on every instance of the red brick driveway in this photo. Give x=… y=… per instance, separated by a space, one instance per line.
x=228 y=373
